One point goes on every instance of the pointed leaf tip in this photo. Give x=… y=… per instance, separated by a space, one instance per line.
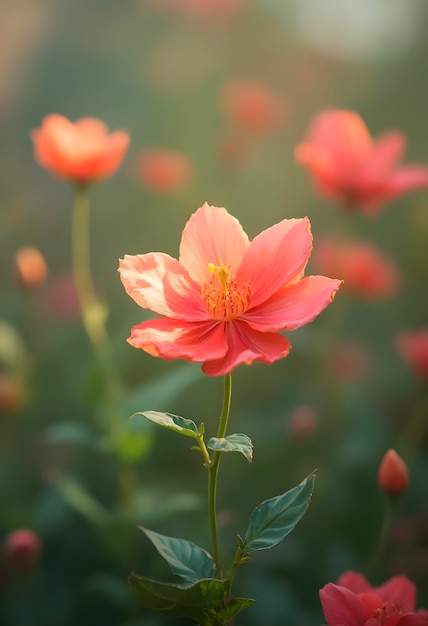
x=275 y=518
x=176 y=423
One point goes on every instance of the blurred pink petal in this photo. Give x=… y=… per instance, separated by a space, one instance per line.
x=352 y=168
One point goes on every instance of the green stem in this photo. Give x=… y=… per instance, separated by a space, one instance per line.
x=213 y=474
x=382 y=542
x=92 y=311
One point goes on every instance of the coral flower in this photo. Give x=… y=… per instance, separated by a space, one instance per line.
x=83 y=151
x=349 y=166
x=164 y=171
x=353 y=602
x=366 y=272
x=252 y=106
x=224 y=300
x=413 y=347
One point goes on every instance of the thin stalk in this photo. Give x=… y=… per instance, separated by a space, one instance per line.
x=92 y=311
x=213 y=474
x=382 y=542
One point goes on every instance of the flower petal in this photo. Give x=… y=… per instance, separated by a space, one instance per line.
x=404 y=179
x=343 y=135
x=321 y=165
x=176 y=339
x=276 y=257
x=158 y=282
x=342 y=607
x=355 y=582
x=245 y=346
x=398 y=590
x=386 y=152
x=211 y=235
x=294 y=305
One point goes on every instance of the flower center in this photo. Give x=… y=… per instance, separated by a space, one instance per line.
x=224 y=298
x=389 y=613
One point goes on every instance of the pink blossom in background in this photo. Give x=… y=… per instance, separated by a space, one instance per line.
x=224 y=300
x=303 y=422
x=163 y=171
x=203 y=9
x=365 y=270
x=354 y=602
x=352 y=168
x=413 y=348
x=59 y=300
x=253 y=106
x=83 y=151
x=349 y=361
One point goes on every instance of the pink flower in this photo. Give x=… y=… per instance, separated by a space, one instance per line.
x=253 y=106
x=366 y=271
x=225 y=299
x=353 y=602
x=22 y=549
x=82 y=151
x=413 y=347
x=349 y=166
x=164 y=171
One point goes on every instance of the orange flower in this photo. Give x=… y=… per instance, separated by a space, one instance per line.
x=349 y=166
x=364 y=269
x=413 y=347
x=29 y=268
x=83 y=151
x=393 y=475
x=164 y=171
x=252 y=106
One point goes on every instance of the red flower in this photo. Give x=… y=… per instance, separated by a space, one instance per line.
x=224 y=300
x=413 y=347
x=349 y=166
x=393 y=475
x=83 y=151
x=164 y=171
x=364 y=269
x=22 y=549
x=253 y=106
x=353 y=602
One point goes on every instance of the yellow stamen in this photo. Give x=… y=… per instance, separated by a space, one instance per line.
x=224 y=298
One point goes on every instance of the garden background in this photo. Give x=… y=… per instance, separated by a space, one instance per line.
x=344 y=396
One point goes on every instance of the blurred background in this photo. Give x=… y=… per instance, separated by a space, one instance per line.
x=215 y=95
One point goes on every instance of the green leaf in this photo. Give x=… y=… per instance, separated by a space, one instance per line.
x=80 y=500
x=233 y=608
x=274 y=519
x=201 y=601
x=185 y=558
x=176 y=423
x=233 y=443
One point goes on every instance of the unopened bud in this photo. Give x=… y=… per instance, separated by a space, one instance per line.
x=22 y=549
x=29 y=268
x=393 y=475
x=12 y=395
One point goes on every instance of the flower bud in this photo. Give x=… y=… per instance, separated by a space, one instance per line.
x=22 y=549
x=393 y=475
x=12 y=394
x=29 y=268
